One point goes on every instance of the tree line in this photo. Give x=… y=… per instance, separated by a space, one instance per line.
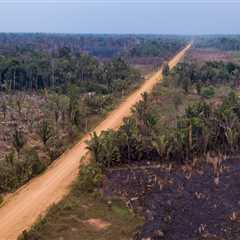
x=43 y=71
x=187 y=75
x=159 y=47
x=98 y=45
x=201 y=130
x=225 y=43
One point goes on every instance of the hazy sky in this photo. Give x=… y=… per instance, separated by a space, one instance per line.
x=121 y=16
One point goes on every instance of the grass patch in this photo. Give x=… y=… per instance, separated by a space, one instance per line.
x=169 y=102
x=70 y=218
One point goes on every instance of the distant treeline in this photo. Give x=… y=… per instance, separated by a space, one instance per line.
x=96 y=45
x=103 y=46
x=226 y=43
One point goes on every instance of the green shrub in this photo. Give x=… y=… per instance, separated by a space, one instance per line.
x=90 y=178
x=105 y=148
x=37 y=166
x=98 y=103
x=55 y=147
x=207 y=92
x=15 y=172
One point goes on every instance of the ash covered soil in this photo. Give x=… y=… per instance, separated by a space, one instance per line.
x=181 y=203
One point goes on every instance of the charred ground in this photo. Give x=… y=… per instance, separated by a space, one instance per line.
x=181 y=202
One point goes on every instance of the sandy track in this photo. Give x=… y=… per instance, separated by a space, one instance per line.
x=23 y=208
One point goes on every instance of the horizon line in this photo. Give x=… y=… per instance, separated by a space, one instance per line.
x=115 y=33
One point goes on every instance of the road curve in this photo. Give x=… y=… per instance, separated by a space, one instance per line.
x=23 y=208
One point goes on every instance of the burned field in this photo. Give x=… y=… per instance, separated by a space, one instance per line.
x=181 y=203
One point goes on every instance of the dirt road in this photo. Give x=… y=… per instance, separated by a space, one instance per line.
x=23 y=208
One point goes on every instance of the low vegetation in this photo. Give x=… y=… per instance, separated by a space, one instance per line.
x=89 y=214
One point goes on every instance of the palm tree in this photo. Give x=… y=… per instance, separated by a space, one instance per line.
x=94 y=145
x=161 y=145
x=130 y=133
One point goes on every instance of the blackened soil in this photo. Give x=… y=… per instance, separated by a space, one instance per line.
x=182 y=203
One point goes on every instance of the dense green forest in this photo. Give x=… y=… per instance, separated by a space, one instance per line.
x=99 y=45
